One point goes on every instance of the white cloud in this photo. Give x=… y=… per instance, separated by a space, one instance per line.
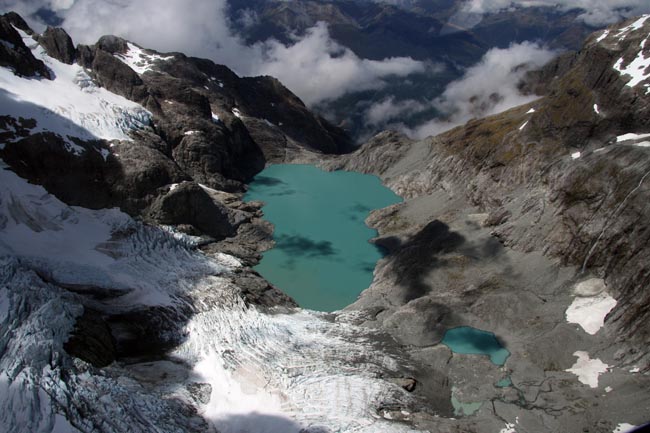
x=388 y=109
x=315 y=67
x=596 y=12
x=488 y=87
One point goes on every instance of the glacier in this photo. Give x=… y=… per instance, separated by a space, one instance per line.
x=266 y=371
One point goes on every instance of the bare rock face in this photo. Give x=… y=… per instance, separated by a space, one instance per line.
x=290 y=114
x=117 y=77
x=82 y=180
x=13 y=52
x=58 y=44
x=91 y=340
x=188 y=203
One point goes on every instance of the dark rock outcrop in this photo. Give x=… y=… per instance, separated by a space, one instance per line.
x=91 y=340
x=288 y=112
x=78 y=179
x=114 y=75
x=189 y=204
x=58 y=44
x=17 y=21
x=13 y=52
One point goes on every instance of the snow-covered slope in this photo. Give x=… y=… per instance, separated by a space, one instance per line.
x=70 y=105
x=267 y=373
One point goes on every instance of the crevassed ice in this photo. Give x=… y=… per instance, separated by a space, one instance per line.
x=269 y=373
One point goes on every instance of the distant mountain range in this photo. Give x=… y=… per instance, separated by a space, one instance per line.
x=430 y=31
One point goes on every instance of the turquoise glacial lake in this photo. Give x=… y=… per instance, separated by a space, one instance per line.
x=322 y=256
x=472 y=341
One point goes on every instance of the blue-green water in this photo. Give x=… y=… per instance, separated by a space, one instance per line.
x=504 y=383
x=473 y=341
x=322 y=257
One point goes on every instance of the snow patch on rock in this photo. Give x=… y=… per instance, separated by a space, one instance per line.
x=588 y=370
x=509 y=428
x=603 y=36
x=637 y=69
x=591 y=305
x=623 y=428
x=139 y=60
x=636 y=25
x=631 y=136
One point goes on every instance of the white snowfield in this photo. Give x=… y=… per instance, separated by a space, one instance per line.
x=590 y=306
x=70 y=105
x=139 y=60
x=588 y=369
x=268 y=373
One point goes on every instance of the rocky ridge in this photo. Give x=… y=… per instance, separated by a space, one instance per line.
x=505 y=218
x=207 y=126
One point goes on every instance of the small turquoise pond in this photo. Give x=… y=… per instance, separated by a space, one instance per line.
x=504 y=383
x=322 y=257
x=472 y=341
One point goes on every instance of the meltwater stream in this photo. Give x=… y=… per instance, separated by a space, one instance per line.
x=322 y=257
